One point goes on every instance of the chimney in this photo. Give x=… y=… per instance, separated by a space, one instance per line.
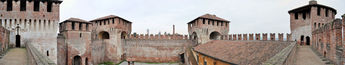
x=312 y=2
x=173 y=29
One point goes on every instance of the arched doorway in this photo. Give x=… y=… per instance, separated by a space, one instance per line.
x=103 y=35
x=215 y=36
x=194 y=36
x=307 y=40
x=17 y=40
x=76 y=60
x=302 y=40
x=86 y=61
x=123 y=35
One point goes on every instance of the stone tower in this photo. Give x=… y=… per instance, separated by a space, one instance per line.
x=305 y=19
x=74 y=42
x=32 y=21
x=107 y=35
x=208 y=27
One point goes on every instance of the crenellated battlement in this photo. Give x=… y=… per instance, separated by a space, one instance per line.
x=258 y=36
x=158 y=37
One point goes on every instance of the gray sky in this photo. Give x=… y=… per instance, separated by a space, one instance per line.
x=246 y=16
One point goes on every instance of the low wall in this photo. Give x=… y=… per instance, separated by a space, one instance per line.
x=154 y=50
x=4 y=39
x=35 y=57
x=285 y=57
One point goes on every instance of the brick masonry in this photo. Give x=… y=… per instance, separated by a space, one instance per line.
x=4 y=39
x=37 y=27
x=328 y=41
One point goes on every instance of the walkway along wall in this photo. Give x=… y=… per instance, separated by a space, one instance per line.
x=327 y=40
x=35 y=57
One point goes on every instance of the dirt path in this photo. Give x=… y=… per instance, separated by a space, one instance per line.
x=15 y=56
x=305 y=56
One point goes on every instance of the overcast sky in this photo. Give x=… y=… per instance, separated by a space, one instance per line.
x=246 y=16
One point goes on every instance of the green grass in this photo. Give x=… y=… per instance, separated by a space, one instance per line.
x=107 y=63
x=159 y=63
x=119 y=63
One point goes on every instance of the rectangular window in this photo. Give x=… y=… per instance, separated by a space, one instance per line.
x=326 y=12
x=296 y=15
x=203 y=21
x=212 y=22
x=49 y=7
x=9 y=5
x=87 y=27
x=80 y=26
x=205 y=62
x=221 y=23
x=113 y=20
x=73 y=24
x=304 y=15
x=22 y=5
x=36 y=5
x=209 y=22
x=318 y=11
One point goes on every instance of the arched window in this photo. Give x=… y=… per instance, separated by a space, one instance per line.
x=215 y=36
x=123 y=35
x=103 y=35
x=76 y=60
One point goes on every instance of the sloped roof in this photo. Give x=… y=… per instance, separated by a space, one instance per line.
x=108 y=17
x=76 y=20
x=309 y=7
x=241 y=52
x=209 y=16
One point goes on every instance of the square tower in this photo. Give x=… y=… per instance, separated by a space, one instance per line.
x=305 y=19
x=208 y=27
x=74 y=42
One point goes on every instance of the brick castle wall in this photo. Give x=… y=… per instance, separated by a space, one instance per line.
x=153 y=50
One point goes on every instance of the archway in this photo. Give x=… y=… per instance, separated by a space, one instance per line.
x=194 y=36
x=307 y=40
x=123 y=35
x=76 y=60
x=103 y=35
x=302 y=40
x=86 y=61
x=17 y=40
x=215 y=36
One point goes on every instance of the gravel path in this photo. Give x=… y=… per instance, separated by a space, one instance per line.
x=15 y=56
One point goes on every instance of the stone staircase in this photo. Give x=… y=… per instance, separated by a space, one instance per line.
x=324 y=60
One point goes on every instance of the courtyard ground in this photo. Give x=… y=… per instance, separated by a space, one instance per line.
x=15 y=56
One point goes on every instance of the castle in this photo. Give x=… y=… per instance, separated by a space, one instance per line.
x=79 y=42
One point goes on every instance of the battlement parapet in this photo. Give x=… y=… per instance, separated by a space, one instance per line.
x=258 y=36
x=159 y=37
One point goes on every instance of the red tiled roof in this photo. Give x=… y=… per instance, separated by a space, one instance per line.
x=105 y=17
x=241 y=52
x=76 y=20
x=209 y=16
